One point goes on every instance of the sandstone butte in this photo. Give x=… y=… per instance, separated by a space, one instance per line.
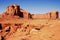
x=18 y=24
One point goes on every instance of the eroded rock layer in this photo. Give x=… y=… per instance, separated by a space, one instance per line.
x=15 y=10
x=18 y=24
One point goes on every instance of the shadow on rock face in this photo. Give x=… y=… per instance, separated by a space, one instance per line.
x=0 y=27
x=2 y=38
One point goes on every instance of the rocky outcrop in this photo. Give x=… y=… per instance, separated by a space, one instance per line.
x=50 y=15
x=54 y=14
x=45 y=29
x=41 y=16
x=24 y=29
x=13 y=11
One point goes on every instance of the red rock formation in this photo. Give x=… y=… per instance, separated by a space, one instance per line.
x=54 y=14
x=41 y=16
x=15 y=11
x=25 y=13
x=49 y=15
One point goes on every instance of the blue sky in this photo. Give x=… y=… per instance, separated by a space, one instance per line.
x=33 y=6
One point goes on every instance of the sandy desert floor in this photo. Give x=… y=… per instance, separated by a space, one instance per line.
x=37 y=29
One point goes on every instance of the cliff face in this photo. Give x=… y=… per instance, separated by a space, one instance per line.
x=15 y=10
x=54 y=14
x=50 y=15
x=41 y=16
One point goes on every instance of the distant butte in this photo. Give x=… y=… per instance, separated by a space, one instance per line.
x=14 y=11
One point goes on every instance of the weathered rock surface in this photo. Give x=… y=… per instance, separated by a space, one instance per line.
x=15 y=26
x=34 y=29
x=50 y=15
x=54 y=14
x=15 y=10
